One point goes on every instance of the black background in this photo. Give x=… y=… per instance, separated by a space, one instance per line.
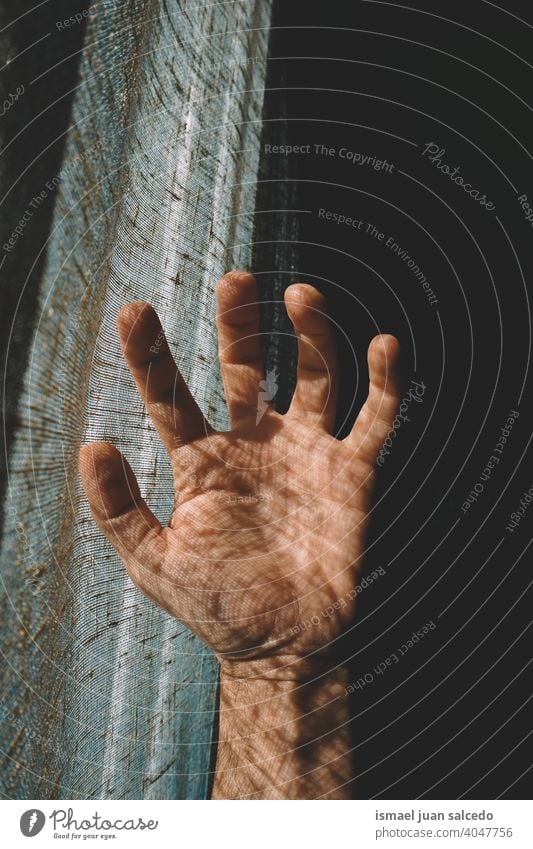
x=452 y=718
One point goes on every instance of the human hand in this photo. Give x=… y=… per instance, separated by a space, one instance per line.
x=269 y=522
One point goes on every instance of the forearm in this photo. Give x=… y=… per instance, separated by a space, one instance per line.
x=283 y=735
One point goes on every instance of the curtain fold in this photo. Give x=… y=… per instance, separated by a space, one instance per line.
x=105 y=695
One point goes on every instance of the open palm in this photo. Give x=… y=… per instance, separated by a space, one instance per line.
x=261 y=553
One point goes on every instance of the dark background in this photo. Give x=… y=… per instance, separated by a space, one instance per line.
x=452 y=718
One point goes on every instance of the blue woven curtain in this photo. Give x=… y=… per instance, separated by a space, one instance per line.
x=147 y=192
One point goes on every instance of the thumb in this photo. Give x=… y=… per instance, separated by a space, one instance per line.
x=121 y=513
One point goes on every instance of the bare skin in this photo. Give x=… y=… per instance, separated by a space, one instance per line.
x=265 y=541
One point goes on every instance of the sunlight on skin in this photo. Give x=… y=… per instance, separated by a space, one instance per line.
x=267 y=533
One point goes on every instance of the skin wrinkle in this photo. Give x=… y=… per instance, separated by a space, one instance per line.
x=267 y=582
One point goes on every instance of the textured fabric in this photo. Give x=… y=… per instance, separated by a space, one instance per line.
x=105 y=695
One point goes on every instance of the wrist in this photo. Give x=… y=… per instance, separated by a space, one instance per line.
x=284 y=667
x=284 y=730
